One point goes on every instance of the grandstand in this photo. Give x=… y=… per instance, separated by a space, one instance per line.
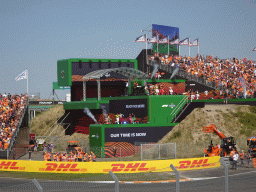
x=125 y=102
x=13 y=119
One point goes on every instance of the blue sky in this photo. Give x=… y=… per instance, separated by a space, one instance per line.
x=34 y=34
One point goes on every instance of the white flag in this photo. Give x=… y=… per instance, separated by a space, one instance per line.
x=142 y=38
x=163 y=41
x=23 y=75
x=195 y=43
x=175 y=42
x=254 y=49
x=184 y=42
x=152 y=40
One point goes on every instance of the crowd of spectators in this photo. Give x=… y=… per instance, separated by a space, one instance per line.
x=10 y=114
x=73 y=156
x=233 y=76
x=119 y=118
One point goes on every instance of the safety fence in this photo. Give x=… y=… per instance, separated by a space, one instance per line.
x=223 y=178
x=139 y=151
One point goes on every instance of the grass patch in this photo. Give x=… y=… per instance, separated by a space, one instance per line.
x=252 y=109
x=175 y=135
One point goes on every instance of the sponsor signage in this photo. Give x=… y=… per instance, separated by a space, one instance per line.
x=129 y=135
x=171 y=105
x=136 y=134
x=138 y=107
x=135 y=106
x=46 y=102
x=97 y=136
x=105 y=167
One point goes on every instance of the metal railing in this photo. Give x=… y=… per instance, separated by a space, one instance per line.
x=181 y=104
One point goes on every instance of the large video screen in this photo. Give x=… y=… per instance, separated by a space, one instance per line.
x=163 y=32
x=139 y=107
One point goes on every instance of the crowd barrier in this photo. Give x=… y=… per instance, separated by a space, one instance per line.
x=105 y=167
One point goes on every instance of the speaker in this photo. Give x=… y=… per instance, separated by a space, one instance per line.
x=90 y=63
x=109 y=64
x=80 y=64
x=100 y=64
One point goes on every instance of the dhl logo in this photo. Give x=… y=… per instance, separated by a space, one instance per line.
x=61 y=167
x=193 y=164
x=10 y=165
x=117 y=167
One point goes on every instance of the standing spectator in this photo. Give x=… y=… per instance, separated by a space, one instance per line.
x=235 y=159
x=117 y=118
x=35 y=147
x=51 y=147
x=225 y=98
x=171 y=91
x=197 y=95
x=242 y=158
x=130 y=118
x=121 y=118
x=133 y=118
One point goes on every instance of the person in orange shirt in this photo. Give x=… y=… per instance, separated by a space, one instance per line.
x=45 y=156
x=242 y=157
x=49 y=157
x=90 y=157
x=54 y=157
x=85 y=155
x=79 y=156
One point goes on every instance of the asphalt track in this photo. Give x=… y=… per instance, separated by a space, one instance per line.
x=243 y=179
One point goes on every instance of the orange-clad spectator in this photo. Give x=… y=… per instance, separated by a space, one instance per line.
x=49 y=157
x=89 y=157
x=45 y=156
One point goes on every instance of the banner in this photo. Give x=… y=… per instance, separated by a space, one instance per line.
x=105 y=167
x=163 y=41
x=152 y=40
x=184 y=42
x=141 y=39
x=175 y=42
x=23 y=75
x=195 y=43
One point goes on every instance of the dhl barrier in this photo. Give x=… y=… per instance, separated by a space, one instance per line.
x=105 y=167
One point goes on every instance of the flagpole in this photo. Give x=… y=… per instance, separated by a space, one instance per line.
x=146 y=49
x=27 y=80
x=189 y=47
x=157 y=43
x=198 y=45
x=168 y=45
x=179 y=49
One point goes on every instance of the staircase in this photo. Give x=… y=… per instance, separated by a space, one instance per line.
x=181 y=107
x=175 y=119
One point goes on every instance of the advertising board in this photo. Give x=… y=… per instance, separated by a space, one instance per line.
x=128 y=106
x=105 y=167
x=136 y=134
